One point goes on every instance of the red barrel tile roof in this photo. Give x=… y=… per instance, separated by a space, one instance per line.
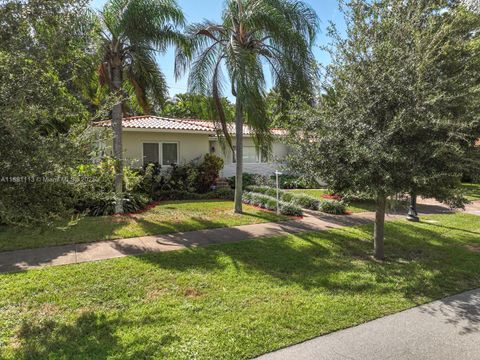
x=163 y=123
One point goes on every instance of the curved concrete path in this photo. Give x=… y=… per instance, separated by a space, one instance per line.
x=446 y=329
x=76 y=253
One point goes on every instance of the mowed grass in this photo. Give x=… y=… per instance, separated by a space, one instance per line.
x=237 y=300
x=472 y=191
x=354 y=206
x=168 y=217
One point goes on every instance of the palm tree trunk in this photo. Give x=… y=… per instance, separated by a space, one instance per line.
x=117 y=115
x=379 y=231
x=238 y=156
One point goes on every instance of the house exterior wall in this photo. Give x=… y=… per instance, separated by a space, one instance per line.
x=190 y=146
x=193 y=146
x=278 y=152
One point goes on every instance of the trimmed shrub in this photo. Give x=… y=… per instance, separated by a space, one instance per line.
x=247 y=197
x=305 y=201
x=287 y=196
x=290 y=209
x=260 y=200
x=333 y=207
x=270 y=203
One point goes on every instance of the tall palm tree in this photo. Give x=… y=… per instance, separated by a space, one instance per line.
x=252 y=34
x=131 y=33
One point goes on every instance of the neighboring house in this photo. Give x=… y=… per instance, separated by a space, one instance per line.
x=151 y=139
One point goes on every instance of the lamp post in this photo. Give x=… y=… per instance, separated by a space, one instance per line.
x=278 y=192
x=412 y=211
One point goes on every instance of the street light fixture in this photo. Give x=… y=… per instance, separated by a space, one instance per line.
x=412 y=211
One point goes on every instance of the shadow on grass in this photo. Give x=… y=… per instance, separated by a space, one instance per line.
x=422 y=265
x=420 y=260
x=91 y=335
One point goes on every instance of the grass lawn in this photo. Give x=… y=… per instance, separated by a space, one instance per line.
x=354 y=206
x=234 y=300
x=168 y=217
x=472 y=191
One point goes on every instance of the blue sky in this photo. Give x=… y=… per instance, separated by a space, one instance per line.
x=197 y=10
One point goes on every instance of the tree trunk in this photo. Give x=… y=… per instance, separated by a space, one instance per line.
x=117 y=116
x=238 y=156
x=379 y=232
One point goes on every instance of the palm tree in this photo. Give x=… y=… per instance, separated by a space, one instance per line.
x=252 y=34
x=131 y=33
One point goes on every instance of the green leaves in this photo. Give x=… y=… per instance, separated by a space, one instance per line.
x=131 y=34
x=253 y=34
x=400 y=111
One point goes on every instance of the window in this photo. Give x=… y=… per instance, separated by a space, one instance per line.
x=150 y=153
x=166 y=152
x=169 y=153
x=250 y=155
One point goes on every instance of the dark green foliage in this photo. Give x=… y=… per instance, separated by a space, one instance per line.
x=194 y=106
x=250 y=179
x=191 y=177
x=208 y=172
x=43 y=124
x=94 y=193
x=333 y=207
x=223 y=194
x=401 y=111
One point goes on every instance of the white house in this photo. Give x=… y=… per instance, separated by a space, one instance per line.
x=151 y=139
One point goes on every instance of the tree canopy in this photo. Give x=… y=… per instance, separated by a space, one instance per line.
x=251 y=34
x=195 y=106
x=43 y=122
x=400 y=108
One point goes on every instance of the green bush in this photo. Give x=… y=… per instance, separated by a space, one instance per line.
x=333 y=207
x=208 y=172
x=224 y=194
x=250 y=180
x=287 y=196
x=191 y=177
x=270 y=203
x=302 y=200
x=305 y=201
x=290 y=209
x=94 y=193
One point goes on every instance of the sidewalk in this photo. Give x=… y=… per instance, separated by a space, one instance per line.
x=442 y=330
x=76 y=253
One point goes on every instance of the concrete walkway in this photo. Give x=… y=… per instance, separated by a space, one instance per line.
x=76 y=253
x=442 y=330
